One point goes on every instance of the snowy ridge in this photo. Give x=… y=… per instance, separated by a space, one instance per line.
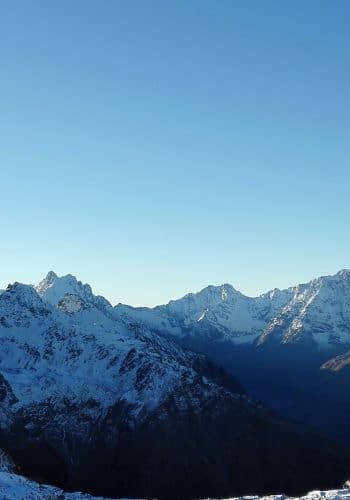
x=317 y=313
x=234 y=316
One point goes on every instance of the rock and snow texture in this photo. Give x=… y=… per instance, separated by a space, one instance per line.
x=15 y=487
x=317 y=312
x=337 y=363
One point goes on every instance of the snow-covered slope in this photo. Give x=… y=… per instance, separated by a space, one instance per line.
x=317 y=312
x=16 y=487
x=312 y=495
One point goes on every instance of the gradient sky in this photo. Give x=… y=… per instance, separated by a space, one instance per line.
x=154 y=147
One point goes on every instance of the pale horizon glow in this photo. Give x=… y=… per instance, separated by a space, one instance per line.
x=152 y=149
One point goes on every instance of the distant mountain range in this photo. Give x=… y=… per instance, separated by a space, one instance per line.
x=124 y=401
x=315 y=313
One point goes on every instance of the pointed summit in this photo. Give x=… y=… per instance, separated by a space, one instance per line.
x=344 y=273
x=51 y=276
x=54 y=288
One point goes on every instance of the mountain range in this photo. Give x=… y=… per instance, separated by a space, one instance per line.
x=289 y=348
x=173 y=402
x=315 y=313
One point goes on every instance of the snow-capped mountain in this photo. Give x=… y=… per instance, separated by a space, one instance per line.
x=216 y=311
x=53 y=289
x=92 y=400
x=75 y=335
x=317 y=312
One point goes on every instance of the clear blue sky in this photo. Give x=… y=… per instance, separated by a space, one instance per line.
x=154 y=147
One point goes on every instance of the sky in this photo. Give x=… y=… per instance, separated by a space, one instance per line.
x=152 y=148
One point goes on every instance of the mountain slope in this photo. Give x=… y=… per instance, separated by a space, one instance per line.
x=93 y=402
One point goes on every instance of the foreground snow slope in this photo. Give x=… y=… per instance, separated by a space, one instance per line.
x=16 y=487
x=312 y=495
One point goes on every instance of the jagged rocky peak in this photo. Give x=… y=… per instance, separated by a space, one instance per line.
x=51 y=277
x=54 y=288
